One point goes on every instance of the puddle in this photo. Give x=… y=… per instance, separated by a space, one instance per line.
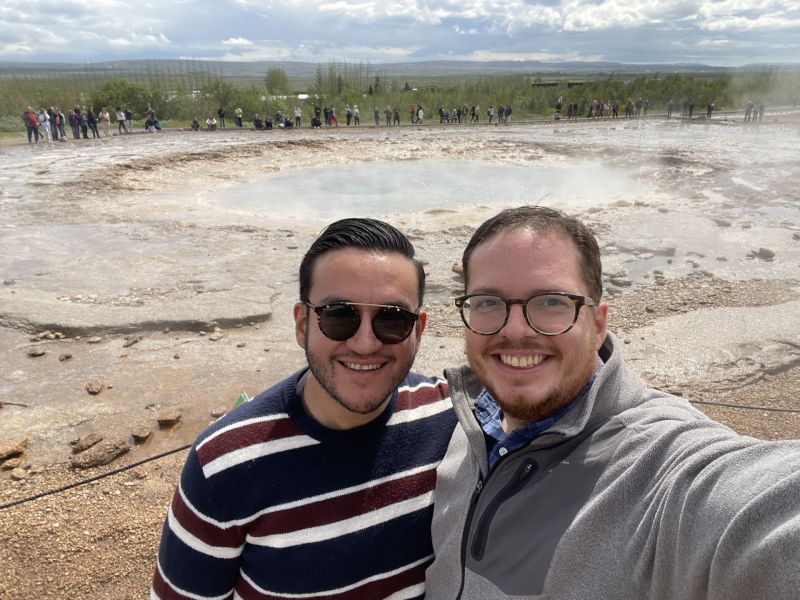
x=382 y=187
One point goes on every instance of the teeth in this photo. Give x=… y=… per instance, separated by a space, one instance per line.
x=360 y=367
x=521 y=361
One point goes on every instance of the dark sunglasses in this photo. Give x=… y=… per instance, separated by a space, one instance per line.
x=341 y=320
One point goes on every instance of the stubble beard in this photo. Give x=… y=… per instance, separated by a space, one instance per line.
x=323 y=371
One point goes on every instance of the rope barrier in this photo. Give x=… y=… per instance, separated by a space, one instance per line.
x=92 y=479
x=186 y=447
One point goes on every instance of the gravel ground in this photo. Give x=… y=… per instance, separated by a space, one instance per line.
x=99 y=540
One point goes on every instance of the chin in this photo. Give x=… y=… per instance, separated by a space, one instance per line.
x=525 y=408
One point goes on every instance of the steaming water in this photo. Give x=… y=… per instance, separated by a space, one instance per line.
x=375 y=188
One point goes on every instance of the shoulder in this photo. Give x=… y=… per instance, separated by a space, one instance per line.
x=261 y=420
x=423 y=387
x=421 y=397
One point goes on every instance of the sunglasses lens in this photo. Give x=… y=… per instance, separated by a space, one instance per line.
x=393 y=325
x=339 y=322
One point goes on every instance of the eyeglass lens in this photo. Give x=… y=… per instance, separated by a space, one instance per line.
x=546 y=313
x=391 y=325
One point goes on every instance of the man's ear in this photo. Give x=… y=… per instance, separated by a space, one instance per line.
x=419 y=326
x=600 y=322
x=301 y=311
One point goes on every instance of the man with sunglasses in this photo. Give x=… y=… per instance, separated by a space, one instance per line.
x=569 y=478
x=322 y=486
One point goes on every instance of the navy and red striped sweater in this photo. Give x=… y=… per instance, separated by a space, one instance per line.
x=273 y=505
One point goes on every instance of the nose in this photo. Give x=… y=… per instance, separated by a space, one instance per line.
x=364 y=340
x=517 y=325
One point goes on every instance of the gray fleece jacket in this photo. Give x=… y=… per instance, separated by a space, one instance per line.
x=633 y=494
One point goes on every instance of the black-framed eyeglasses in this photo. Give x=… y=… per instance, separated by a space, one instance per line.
x=340 y=321
x=550 y=313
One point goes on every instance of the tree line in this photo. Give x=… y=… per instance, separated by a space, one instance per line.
x=177 y=99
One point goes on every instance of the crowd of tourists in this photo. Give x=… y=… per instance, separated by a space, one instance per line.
x=50 y=123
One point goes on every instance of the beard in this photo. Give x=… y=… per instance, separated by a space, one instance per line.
x=324 y=372
x=517 y=401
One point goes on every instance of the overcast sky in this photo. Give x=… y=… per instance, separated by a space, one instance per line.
x=724 y=33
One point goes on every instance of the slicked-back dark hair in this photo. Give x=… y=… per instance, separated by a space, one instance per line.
x=363 y=234
x=545 y=220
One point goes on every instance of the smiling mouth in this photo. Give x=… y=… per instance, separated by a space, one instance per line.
x=521 y=362
x=360 y=367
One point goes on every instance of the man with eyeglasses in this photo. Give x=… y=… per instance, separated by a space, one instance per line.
x=569 y=478
x=322 y=486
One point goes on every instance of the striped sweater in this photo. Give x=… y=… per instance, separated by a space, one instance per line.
x=273 y=505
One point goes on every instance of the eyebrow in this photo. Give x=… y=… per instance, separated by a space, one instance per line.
x=494 y=292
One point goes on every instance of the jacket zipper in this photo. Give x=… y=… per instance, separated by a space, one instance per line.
x=512 y=487
x=465 y=536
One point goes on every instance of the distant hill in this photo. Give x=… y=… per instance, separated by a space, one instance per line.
x=139 y=68
x=243 y=71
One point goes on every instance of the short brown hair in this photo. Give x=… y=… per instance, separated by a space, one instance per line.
x=541 y=218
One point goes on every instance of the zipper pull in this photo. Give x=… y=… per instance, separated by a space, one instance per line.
x=525 y=471
x=478 y=488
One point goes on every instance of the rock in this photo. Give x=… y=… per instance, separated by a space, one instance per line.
x=216 y=336
x=86 y=442
x=94 y=340
x=176 y=356
x=218 y=412
x=64 y=356
x=620 y=282
x=100 y=454
x=241 y=344
x=44 y=334
x=19 y=474
x=457 y=268
x=795 y=236
x=140 y=433
x=34 y=352
x=130 y=340
x=762 y=254
x=722 y=222
x=13 y=463
x=168 y=417
x=94 y=387
x=11 y=448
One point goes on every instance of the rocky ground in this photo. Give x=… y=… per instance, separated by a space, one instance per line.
x=128 y=295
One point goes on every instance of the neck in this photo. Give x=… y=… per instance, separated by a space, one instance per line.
x=327 y=411
x=511 y=424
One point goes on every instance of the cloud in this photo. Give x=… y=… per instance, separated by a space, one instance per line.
x=383 y=31
x=489 y=55
x=237 y=42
